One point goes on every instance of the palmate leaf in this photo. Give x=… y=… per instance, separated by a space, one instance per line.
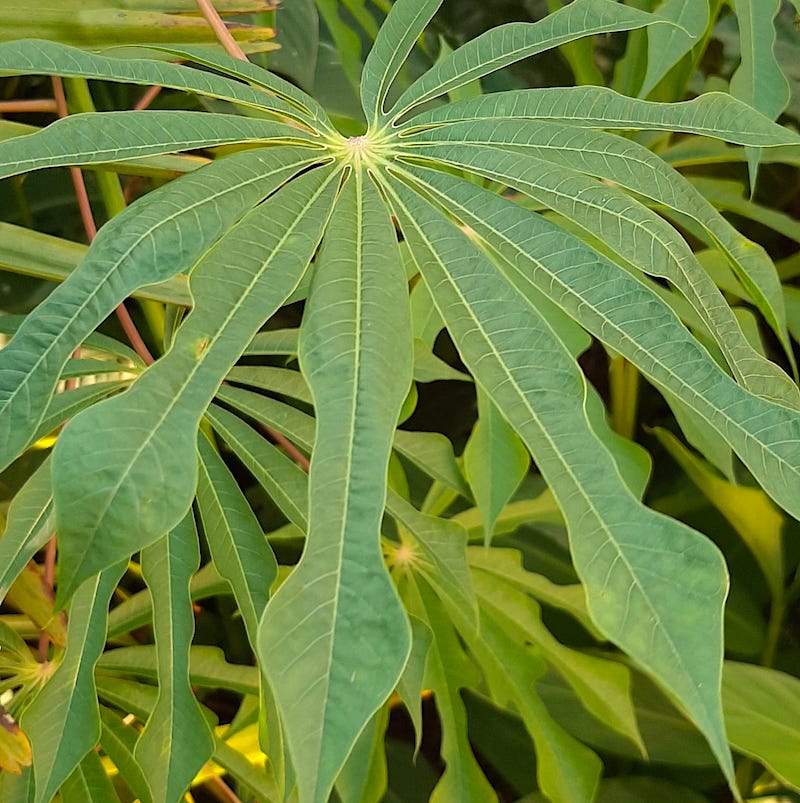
x=636 y=233
x=759 y=80
x=646 y=575
x=39 y=57
x=152 y=240
x=334 y=638
x=176 y=741
x=622 y=313
x=237 y=544
x=130 y=135
x=713 y=114
x=63 y=721
x=510 y=43
x=152 y=427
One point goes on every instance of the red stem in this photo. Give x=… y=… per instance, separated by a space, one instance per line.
x=220 y=29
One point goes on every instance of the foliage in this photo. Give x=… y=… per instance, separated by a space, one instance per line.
x=527 y=224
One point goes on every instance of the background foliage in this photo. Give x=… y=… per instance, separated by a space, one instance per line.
x=501 y=340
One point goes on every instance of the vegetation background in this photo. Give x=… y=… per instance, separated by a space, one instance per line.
x=551 y=709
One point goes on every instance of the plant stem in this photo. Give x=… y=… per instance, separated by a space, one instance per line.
x=220 y=29
x=33 y=105
x=624 y=385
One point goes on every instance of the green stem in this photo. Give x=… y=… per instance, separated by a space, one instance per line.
x=624 y=386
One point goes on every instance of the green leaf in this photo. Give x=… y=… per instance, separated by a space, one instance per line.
x=129 y=251
x=669 y=618
x=245 y=71
x=402 y=27
x=510 y=43
x=667 y=45
x=447 y=671
x=363 y=778
x=274 y=341
x=237 y=543
x=495 y=461
x=89 y=783
x=713 y=114
x=29 y=526
x=137 y=610
x=35 y=254
x=749 y=510
x=762 y=715
x=334 y=638
x=603 y=686
x=118 y=741
x=759 y=80
x=438 y=553
x=63 y=721
x=506 y=564
x=281 y=478
x=412 y=681
x=635 y=232
x=102 y=521
x=176 y=741
x=613 y=306
x=283 y=381
x=207 y=667
x=129 y=135
x=39 y=57
x=432 y=452
x=566 y=769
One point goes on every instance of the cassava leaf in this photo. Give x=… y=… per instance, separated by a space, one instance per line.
x=495 y=461
x=29 y=525
x=392 y=44
x=536 y=384
x=759 y=80
x=713 y=114
x=514 y=41
x=40 y=57
x=163 y=408
x=638 y=234
x=67 y=705
x=667 y=44
x=335 y=630
x=163 y=233
x=129 y=135
x=176 y=740
x=622 y=313
x=237 y=543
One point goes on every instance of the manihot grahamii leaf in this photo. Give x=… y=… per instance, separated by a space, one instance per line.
x=654 y=586
x=110 y=502
x=334 y=639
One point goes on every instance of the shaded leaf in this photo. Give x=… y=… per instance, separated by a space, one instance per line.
x=110 y=503
x=67 y=704
x=176 y=740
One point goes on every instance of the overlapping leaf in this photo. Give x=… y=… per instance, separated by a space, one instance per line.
x=509 y=43
x=631 y=559
x=149 y=432
x=623 y=313
x=67 y=705
x=176 y=741
x=334 y=638
x=146 y=243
